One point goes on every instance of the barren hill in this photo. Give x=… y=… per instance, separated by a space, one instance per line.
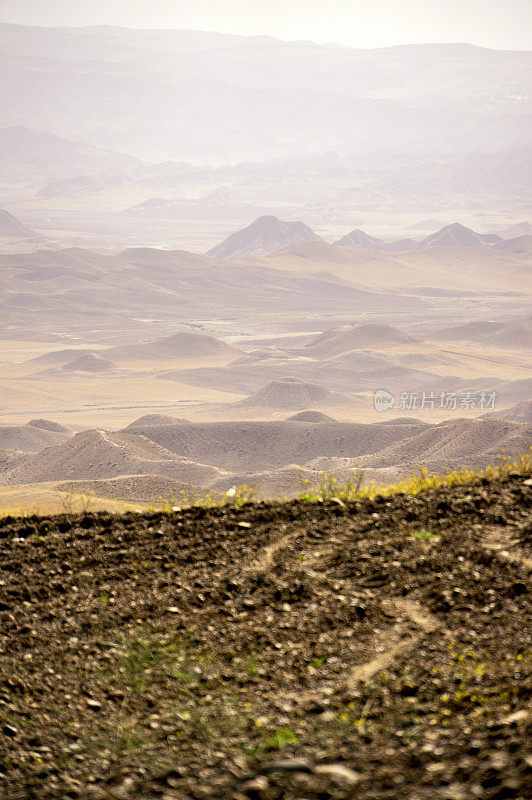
x=517 y=333
x=152 y=419
x=355 y=336
x=95 y=454
x=257 y=446
x=520 y=244
x=33 y=436
x=519 y=229
x=455 y=235
x=456 y=442
x=9 y=458
x=10 y=226
x=323 y=253
x=49 y=425
x=399 y=245
x=521 y=412
x=514 y=391
x=89 y=362
x=469 y=331
x=60 y=356
x=311 y=416
x=177 y=346
x=292 y=393
x=507 y=334
x=362 y=240
x=265 y=235
x=358 y=238
x=435 y=270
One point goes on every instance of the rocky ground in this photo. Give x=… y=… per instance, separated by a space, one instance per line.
x=304 y=651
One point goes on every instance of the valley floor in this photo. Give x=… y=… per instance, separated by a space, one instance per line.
x=379 y=649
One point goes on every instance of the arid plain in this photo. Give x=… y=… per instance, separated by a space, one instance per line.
x=152 y=374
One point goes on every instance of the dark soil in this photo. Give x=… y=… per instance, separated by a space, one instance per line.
x=301 y=651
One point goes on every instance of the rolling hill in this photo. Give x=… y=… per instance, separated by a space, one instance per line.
x=293 y=393
x=259 y=446
x=89 y=362
x=455 y=443
x=157 y=456
x=507 y=334
x=358 y=335
x=177 y=346
x=77 y=290
x=94 y=454
x=520 y=412
x=33 y=436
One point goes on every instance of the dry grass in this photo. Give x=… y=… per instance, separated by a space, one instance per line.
x=422 y=479
x=45 y=499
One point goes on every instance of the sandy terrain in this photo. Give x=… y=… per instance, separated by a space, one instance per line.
x=236 y=346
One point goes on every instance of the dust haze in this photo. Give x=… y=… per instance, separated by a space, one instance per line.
x=218 y=251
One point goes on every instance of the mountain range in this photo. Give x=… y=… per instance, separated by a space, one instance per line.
x=33 y=155
x=119 y=81
x=93 y=149
x=268 y=234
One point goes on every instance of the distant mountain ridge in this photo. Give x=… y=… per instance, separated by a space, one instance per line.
x=267 y=234
x=11 y=226
x=520 y=244
x=457 y=235
x=452 y=89
x=264 y=236
x=453 y=235
x=30 y=154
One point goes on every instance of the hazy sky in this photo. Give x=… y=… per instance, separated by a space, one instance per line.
x=362 y=23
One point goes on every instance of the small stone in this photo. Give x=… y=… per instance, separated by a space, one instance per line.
x=258 y=784
x=94 y=704
x=289 y=765
x=517 y=716
x=173 y=609
x=10 y=730
x=338 y=502
x=338 y=773
x=244 y=524
x=124 y=789
x=436 y=766
x=454 y=792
